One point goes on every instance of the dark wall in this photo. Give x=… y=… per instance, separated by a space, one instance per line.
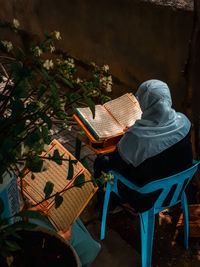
x=137 y=39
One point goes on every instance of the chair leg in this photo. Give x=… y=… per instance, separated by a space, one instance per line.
x=186 y=219
x=105 y=208
x=147 y=221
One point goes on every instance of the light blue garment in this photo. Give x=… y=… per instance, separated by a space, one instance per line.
x=159 y=128
x=85 y=246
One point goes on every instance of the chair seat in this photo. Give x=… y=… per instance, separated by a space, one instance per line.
x=171 y=192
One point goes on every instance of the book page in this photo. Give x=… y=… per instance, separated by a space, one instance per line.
x=57 y=174
x=74 y=200
x=103 y=124
x=125 y=109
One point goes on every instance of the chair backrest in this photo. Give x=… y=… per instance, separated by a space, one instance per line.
x=171 y=187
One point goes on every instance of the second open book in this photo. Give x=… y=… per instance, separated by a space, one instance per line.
x=74 y=200
x=112 y=118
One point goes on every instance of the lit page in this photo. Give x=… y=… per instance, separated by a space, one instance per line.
x=124 y=109
x=74 y=201
x=57 y=174
x=103 y=125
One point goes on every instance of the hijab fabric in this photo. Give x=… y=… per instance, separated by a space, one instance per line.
x=159 y=128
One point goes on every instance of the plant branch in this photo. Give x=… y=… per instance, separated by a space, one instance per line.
x=64 y=190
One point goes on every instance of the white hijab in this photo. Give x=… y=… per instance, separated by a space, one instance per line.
x=159 y=128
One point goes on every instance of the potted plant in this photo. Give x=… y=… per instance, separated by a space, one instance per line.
x=38 y=86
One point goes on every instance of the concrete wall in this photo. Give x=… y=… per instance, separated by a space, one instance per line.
x=139 y=40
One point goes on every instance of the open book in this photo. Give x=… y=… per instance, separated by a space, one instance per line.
x=113 y=118
x=74 y=199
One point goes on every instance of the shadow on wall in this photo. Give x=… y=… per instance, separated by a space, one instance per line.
x=138 y=39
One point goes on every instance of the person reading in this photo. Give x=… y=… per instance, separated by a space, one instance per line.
x=156 y=146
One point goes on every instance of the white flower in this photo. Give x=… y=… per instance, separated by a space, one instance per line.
x=109 y=84
x=48 y=64
x=58 y=61
x=8 y=45
x=103 y=79
x=110 y=79
x=37 y=51
x=106 y=68
x=67 y=127
x=57 y=35
x=107 y=176
x=16 y=23
x=53 y=131
x=78 y=80
x=95 y=93
x=108 y=88
x=93 y=64
x=70 y=62
x=40 y=104
x=52 y=48
x=62 y=106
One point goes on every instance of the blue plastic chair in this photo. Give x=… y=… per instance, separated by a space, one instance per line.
x=176 y=183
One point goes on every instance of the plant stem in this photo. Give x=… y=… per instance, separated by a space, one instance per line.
x=64 y=190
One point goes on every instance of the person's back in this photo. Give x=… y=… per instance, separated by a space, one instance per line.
x=155 y=147
x=172 y=160
x=169 y=162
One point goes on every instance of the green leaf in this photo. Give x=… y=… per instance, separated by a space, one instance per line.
x=74 y=161
x=67 y=93
x=105 y=98
x=74 y=96
x=32 y=107
x=31 y=214
x=35 y=165
x=81 y=132
x=58 y=200
x=12 y=245
x=44 y=73
x=67 y=82
x=46 y=119
x=21 y=54
x=20 y=91
x=1 y=206
x=57 y=156
x=33 y=139
x=91 y=105
x=80 y=180
x=85 y=163
x=41 y=89
x=70 y=170
x=94 y=181
x=48 y=189
x=61 y=115
x=44 y=132
x=19 y=127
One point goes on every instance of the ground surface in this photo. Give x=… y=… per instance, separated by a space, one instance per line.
x=121 y=247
